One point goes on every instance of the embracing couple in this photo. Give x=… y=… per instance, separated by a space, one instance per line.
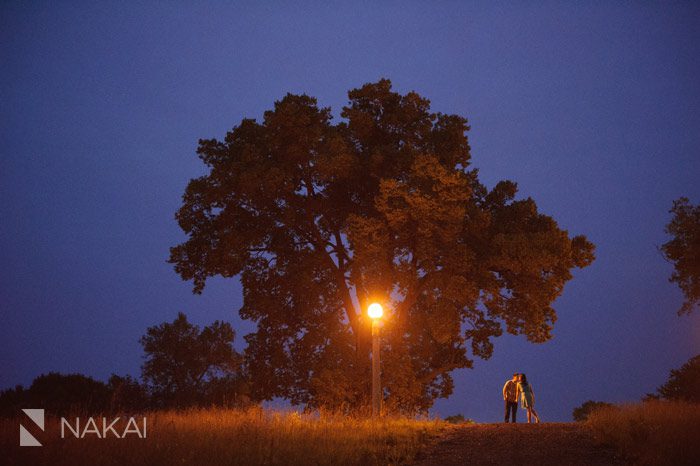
x=515 y=388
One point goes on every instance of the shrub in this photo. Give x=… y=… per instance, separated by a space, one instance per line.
x=581 y=413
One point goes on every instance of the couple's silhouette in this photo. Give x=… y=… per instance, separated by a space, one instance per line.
x=518 y=387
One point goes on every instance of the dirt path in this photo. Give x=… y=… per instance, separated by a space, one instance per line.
x=527 y=444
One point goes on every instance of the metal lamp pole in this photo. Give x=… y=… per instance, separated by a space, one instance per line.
x=375 y=311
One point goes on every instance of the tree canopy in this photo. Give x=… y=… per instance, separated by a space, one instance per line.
x=319 y=219
x=683 y=250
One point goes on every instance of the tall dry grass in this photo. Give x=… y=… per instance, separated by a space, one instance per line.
x=651 y=433
x=231 y=437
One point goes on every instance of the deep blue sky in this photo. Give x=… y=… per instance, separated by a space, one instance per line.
x=593 y=109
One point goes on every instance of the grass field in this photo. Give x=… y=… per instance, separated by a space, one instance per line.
x=231 y=437
x=651 y=433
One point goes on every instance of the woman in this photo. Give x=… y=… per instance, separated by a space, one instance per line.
x=528 y=398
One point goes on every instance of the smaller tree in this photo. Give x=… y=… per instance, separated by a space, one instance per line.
x=582 y=412
x=683 y=250
x=184 y=362
x=683 y=384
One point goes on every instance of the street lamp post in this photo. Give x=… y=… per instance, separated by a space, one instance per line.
x=375 y=312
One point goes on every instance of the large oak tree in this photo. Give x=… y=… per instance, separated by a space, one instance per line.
x=319 y=219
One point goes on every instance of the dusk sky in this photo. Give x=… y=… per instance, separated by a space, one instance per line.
x=592 y=108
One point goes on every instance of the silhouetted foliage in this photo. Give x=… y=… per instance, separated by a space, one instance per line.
x=458 y=419
x=582 y=412
x=320 y=219
x=683 y=384
x=58 y=394
x=12 y=400
x=684 y=251
x=127 y=394
x=187 y=366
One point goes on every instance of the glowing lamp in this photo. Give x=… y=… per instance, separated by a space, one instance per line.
x=375 y=311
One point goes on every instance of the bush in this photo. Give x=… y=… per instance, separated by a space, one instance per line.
x=58 y=394
x=62 y=394
x=581 y=413
x=127 y=394
x=458 y=419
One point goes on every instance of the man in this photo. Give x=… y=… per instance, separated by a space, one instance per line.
x=510 y=396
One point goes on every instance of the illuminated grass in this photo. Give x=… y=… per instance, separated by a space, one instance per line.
x=652 y=433
x=234 y=437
